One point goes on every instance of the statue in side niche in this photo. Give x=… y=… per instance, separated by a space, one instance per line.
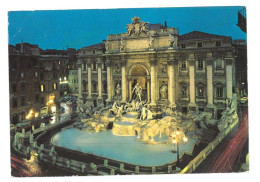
x=118 y=90
x=164 y=91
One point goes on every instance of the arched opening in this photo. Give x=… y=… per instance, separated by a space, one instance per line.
x=138 y=74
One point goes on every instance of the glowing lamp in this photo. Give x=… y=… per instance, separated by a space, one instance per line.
x=36 y=114
x=185 y=139
x=53 y=109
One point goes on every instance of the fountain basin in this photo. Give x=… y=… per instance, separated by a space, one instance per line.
x=125 y=149
x=124 y=128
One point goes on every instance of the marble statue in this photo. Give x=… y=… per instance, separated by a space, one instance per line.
x=143 y=113
x=118 y=90
x=171 y=40
x=137 y=27
x=164 y=91
x=151 y=39
x=114 y=108
x=137 y=92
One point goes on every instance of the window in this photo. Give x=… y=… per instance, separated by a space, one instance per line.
x=218 y=43
x=199 y=44
x=94 y=66
x=183 y=46
x=42 y=100
x=23 y=115
x=54 y=86
x=22 y=86
x=84 y=86
x=42 y=88
x=13 y=88
x=84 y=66
x=36 y=98
x=22 y=100
x=184 y=91
x=94 y=86
x=200 y=91
x=55 y=76
x=219 y=92
x=219 y=64
x=183 y=65
x=22 y=75
x=200 y=64
x=41 y=76
x=65 y=78
x=14 y=102
x=93 y=51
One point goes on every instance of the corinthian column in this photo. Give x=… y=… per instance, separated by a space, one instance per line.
x=209 y=81
x=153 y=81
x=89 y=81
x=109 y=90
x=99 y=64
x=123 y=84
x=79 y=78
x=192 y=80
x=229 y=77
x=171 y=83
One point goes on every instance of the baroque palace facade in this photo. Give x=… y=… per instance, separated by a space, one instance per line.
x=191 y=71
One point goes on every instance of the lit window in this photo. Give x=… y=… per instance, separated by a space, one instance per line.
x=59 y=62
x=42 y=88
x=60 y=79
x=54 y=86
x=200 y=91
x=22 y=75
x=36 y=74
x=65 y=78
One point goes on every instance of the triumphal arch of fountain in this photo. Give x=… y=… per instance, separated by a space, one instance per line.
x=145 y=56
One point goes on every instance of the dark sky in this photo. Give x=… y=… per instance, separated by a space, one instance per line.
x=56 y=29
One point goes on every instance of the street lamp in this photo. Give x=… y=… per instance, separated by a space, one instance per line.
x=177 y=137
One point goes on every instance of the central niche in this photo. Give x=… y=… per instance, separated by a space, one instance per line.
x=139 y=75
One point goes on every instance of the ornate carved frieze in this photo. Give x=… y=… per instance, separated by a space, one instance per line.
x=153 y=62
x=163 y=67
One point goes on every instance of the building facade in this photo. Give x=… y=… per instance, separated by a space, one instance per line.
x=191 y=71
x=36 y=78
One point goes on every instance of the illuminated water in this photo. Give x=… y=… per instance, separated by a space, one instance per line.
x=125 y=149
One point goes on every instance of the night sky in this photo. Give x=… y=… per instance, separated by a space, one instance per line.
x=58 y=29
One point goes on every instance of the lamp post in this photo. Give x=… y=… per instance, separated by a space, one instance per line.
x=178 y=136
